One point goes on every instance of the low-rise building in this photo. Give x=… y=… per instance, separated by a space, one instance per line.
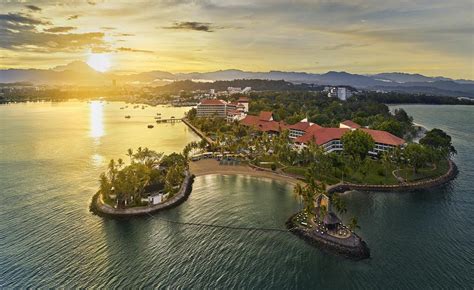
x=300 y=128
x=212 y=108
x=330 y=138
x=223 y=109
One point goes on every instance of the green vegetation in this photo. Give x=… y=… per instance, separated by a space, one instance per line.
x=125 y=185
x=438 y=140
x=357 y=144
x=354 y=165
x=292 y=107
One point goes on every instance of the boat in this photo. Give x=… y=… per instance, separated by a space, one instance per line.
x=150 y=126
x=127 y=117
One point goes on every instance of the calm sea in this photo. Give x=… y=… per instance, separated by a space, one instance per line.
x=50 y=159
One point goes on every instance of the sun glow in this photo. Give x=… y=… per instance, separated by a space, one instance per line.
x=99 y=61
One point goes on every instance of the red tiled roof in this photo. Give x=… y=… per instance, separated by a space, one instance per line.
x=262 y=125
x=322 y=135
x=384 y=137
x=265 y=116
x=313 y=128
x=250 y=120
x=351 y=124
x=302 y=126
x=212 y=102
x=232 y=112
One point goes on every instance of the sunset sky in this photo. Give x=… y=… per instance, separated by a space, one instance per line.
x=431 y=37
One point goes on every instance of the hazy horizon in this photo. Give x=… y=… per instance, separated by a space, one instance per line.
x=432 y=38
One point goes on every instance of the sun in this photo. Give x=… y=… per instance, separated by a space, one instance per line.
x=99 y=61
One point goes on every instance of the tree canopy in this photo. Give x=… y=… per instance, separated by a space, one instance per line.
x=438 y=140
x=357 y=144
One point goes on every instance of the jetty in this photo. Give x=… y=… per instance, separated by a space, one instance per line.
x=197 y=131
x=170 y=120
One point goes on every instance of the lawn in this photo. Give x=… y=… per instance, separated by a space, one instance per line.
x=423 y=173
x=300 y=171
x=376 y=174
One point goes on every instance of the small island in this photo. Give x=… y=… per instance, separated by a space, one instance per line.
x=149 y=183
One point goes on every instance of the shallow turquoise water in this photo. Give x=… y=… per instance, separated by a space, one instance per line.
x=52 y=154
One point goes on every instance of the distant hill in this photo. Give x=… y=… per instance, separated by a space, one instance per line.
x=80 y=73
x=256 y=84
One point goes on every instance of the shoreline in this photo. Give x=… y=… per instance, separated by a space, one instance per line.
x=212 y=167
x=422 y=184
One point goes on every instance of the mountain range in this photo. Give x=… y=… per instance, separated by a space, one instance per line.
x=78 y=72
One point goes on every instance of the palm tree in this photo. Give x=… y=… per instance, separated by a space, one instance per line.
x=119 y=163
x=112 y=171
x=105 y=187
x=386 y=162
x=130 y=154
x=339 y=204
x=353 y=225
x=298 y=192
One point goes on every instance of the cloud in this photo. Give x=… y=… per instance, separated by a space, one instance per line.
x=60 y=29
x=73 y=17
x=20 y=32
x=128 y=49
x=124 y=34
x=20 y=19
x=343 y=45
x=191 y=25
x=33 y=8
x=32 y=40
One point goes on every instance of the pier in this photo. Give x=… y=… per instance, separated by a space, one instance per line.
x=170 y=120
x=198 y=132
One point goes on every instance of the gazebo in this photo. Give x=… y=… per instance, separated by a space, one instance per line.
x=331 y=221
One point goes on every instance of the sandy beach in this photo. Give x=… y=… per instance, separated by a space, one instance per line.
x=211 y=166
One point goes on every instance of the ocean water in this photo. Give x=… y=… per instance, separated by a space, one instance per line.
x=50 y=159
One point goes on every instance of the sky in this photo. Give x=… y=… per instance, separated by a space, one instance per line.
x=431 y=37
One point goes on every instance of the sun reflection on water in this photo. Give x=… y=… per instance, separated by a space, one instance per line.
x=97 y=160
x=96 y=119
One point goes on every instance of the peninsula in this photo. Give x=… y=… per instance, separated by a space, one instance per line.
x=370 y=149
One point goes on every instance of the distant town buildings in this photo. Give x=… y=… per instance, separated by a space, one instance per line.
x=342 y=93
x=237 y=90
